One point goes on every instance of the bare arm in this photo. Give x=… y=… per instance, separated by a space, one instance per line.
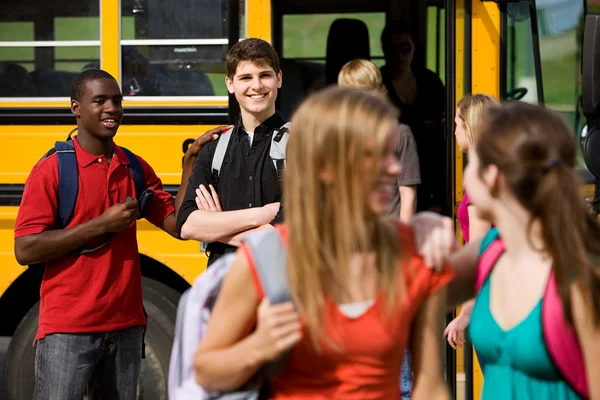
x=236 y=239
x=169 y=225
x=407 y=203
x=464 y=263
x=456 y=328
x=50 y=244
x=189 y=160
x=41 y=247
x=426 y=351
x=478 y=227
x=209 y=226
x=229 y=353
x=589 y=338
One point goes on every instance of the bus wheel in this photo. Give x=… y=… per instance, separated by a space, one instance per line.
x=159 y=301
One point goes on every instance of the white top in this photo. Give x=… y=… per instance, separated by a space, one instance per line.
x=355 y=310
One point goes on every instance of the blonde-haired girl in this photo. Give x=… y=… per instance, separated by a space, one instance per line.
x=358 y=286
x=361 y=73
x=470 y=112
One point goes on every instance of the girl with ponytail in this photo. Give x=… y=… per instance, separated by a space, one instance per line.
x=536 y=319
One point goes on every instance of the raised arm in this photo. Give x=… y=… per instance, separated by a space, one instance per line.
x=464 y=263
x=37 y=240
x=426 y=352
x=50 y=244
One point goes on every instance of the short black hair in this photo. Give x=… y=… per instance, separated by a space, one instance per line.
x=392 y=28
x=78 y=85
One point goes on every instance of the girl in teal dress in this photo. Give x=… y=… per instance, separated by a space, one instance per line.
x=521 y=177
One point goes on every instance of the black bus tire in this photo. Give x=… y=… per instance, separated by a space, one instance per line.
x=159 y=300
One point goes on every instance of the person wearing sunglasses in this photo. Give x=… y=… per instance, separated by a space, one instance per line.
x=420 y=96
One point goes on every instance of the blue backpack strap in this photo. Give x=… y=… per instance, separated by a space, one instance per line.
x=68 y=181
x=136 y=171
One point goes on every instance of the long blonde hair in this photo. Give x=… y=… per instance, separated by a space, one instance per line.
x=335 y=132
x=472 y=110
x=361 y=73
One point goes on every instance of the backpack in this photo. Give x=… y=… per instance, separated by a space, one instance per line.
x=68 y=184
x=194 y=311
x=560 y=339
x=279 y=140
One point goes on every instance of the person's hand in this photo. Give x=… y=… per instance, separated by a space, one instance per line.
x=435 y=238
x=207 y=201
x=269 y=212
x=278 y=329
x=120 y=216
x=456 y=330
x=208 y=136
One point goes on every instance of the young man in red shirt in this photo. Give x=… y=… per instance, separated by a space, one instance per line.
x=91 y=317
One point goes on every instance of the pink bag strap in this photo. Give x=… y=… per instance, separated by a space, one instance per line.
x=488 y=257
x=561 y=341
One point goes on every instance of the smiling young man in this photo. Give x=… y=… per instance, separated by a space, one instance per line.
x=91 y=318
x=246 y=194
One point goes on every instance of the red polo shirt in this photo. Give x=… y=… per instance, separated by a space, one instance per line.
x=102 y=290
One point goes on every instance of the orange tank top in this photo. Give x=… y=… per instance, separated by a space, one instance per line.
x=373 y=348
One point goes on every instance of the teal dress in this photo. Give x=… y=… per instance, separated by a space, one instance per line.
x=516 y=364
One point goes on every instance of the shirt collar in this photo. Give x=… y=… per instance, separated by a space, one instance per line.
x=272 y=123
x=84 y=158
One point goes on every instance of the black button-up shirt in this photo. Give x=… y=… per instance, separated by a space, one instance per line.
x=248 y=177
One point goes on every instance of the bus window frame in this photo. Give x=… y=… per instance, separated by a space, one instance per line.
x=110 y=43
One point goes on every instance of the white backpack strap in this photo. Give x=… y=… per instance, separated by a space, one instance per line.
x=220 y=151
x=270 y=261
x=279 y=141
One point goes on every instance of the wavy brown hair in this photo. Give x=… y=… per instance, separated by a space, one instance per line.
x=536 y=153
x=337 y=130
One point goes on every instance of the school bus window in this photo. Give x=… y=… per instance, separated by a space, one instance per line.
x=436 y=40
x=561 y=28
x=41 y=52
x=559 y=25
x=176 y=50
x=305 y=36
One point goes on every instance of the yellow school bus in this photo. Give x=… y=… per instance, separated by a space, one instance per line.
x=168 y=59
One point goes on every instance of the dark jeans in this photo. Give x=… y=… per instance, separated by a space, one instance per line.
x=106 y=364
x=406 y=381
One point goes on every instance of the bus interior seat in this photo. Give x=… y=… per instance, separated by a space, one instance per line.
x=347 y=40
x=15 y=81
x=181 y=83
x=50 y=83
x=293 y=89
